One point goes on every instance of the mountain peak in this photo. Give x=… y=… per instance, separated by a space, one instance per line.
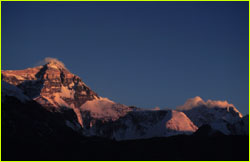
x=51 y=84
x=197 y=102
x=54 y=63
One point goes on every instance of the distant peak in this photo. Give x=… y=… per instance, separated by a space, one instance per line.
x=198 y=101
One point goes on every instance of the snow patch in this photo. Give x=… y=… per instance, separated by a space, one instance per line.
x=53 y=66
x=180 y=122
x=104 y=108
x=47 y=100
x=59 y=100
x=79 y=116
x=67 y=93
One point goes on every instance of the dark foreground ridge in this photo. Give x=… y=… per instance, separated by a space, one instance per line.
x=171 y=148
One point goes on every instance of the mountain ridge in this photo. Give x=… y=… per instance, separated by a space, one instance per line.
x=55 y=88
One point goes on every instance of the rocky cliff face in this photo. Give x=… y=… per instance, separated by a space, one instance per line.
x=51 y=85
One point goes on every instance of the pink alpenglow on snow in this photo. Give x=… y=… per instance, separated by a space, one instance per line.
x=198 y=102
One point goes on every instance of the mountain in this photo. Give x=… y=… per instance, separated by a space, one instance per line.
x=220 y=115
x=48 y=113
x=56 y=89
x=51 y=85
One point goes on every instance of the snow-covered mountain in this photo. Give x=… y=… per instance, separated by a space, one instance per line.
x=51 y=83
x=144 y=124
x=54 y=87
x=58 y=91
x=220 y=115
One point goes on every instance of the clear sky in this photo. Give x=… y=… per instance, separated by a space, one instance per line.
x=145 y=54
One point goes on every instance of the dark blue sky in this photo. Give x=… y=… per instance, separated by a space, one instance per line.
x=137 y=53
